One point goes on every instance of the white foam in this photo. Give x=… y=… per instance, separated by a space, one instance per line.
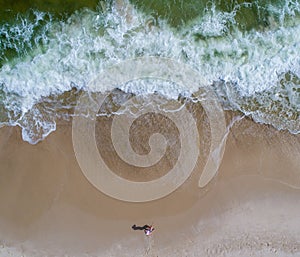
x=20 y=36
x=89 y=42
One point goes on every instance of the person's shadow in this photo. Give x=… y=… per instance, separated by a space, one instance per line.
x=135 y=227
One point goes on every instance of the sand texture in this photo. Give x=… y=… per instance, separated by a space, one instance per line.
x=251 y=208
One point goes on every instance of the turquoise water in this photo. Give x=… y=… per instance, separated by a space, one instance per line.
x=248 y=52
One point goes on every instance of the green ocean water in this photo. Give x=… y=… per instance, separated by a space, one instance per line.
x=249 y=15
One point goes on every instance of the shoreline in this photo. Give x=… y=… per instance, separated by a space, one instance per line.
x=48 y=204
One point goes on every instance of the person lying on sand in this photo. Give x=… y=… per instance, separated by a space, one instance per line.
x=147 y=229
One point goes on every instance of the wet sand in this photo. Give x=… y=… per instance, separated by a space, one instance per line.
x=251 y=208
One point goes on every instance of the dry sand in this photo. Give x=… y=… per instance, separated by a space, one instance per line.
x=251 y=208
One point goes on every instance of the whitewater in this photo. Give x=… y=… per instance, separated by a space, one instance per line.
x=254 y=71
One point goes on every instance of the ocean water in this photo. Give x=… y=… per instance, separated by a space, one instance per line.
x=247 y=52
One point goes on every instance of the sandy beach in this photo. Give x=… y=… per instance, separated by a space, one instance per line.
x=212 y=182
x=251 y=208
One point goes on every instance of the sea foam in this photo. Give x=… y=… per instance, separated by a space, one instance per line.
x=256 y=72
